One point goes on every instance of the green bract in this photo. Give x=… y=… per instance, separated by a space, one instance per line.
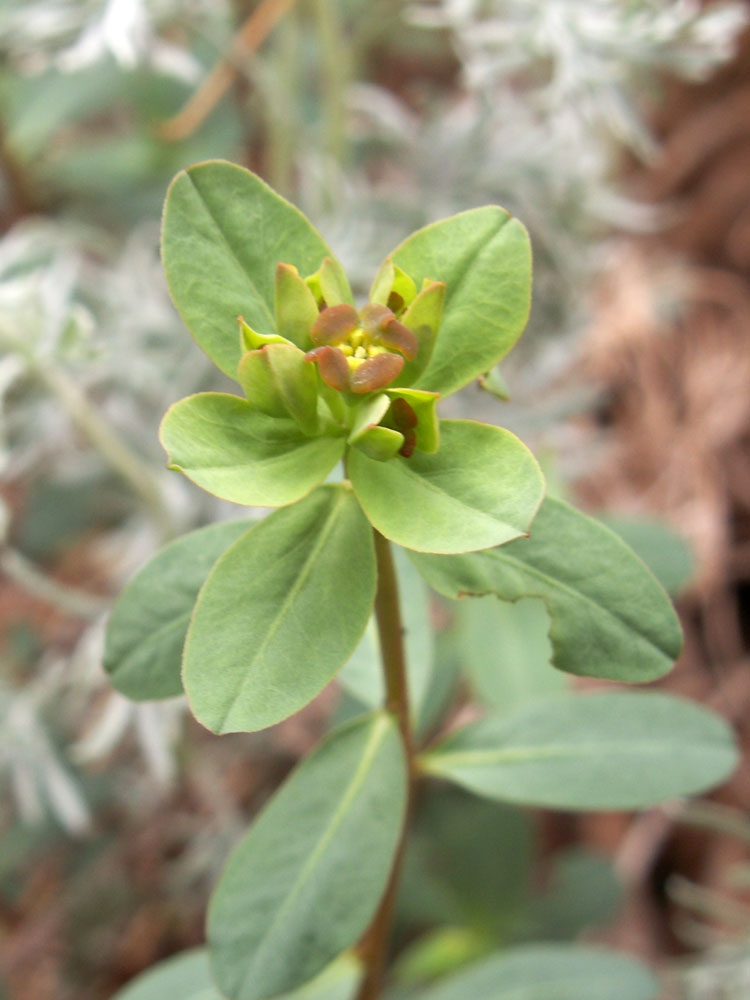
x=324 y=380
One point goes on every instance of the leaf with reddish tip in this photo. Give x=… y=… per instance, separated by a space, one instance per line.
x=376 y=373
x=295 y=306
x=424 y=406
x=334 y=324
x=374 y=316
x=332 y=365
x=400 y=338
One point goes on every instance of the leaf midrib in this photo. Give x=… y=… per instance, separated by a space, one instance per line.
x=531 y=754
x=307 y=567
x=380 y=728
x=233 y=253
x=529 y=992
x=443 y=365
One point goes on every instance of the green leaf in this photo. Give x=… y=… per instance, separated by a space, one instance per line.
x=494 y=383
x=469 y=861
x=228 y=448
x=424 y=405
x=280 y=613
x=610 y=750
x=481 y=488
x=550 y=972
x=362 y=676
x=187 y=976
x=338 y=981
x=506 y=651
x=666 y=552
x=295 y=306
x=147 y=628
x=224 y=231
x=304 y=882
x=484 y=258
x=278 y=381
x=438 y=953
x=379 y=444
x=423 y=318
x=610 y=617
x=368 y=415
x=583 y=891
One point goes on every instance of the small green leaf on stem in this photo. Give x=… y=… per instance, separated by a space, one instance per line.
x=609 y=750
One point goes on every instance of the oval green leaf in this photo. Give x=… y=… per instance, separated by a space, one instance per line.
x=187 y=976
x=484 y=258
x=280 y=613
x=304 y=882
x=481 y=488
x=550 y=972
x=231 y=450
x=610 y=617
x=506 y=652
x=223 y=233
x=664 y=550
x=147 y=628
x=611 y=750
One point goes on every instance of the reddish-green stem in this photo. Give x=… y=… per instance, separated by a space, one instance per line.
x=373 y=948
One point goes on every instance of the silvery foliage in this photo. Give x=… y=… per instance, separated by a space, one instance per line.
x=103 y=323
x=98 y=310
x=552 y=94
x=93 y=311
x=596 y=52
x=72 y=34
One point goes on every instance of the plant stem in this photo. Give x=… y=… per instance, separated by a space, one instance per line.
x=390 y=634
x=373 y=948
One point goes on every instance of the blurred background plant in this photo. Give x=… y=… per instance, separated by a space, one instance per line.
x=632 y=380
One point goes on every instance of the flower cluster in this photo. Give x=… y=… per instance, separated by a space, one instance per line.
x=366 y=360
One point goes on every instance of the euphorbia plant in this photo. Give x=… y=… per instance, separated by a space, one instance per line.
x=254 y=618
